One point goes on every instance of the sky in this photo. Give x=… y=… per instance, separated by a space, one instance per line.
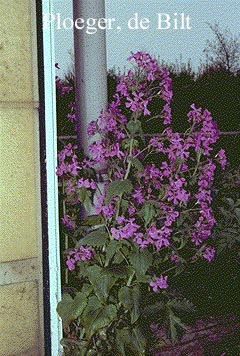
x=169 y=45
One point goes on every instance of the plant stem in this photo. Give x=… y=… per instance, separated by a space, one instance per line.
x=130 y=279
x=169 y=269
x=198 y=162
x=125 y=177
x=125 y=258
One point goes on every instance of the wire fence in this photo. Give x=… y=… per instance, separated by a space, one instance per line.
x=63 y=139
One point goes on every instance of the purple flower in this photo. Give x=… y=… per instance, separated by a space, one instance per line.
x=206 y=131
x=159 y=237
x=92 y=128
x=138 y=103
x=171 y=217
x=114 y=150
x=139 y=239
x=222 y=158
x=167 y=114
x=174 y=257
x=126 y=231
x=155 y=142
x=70 y=263
x=131 y=210
x=62 y=87
x=87 y=183
x=71 y=117
x=209 y=253
x=66 y=220
x=121 y=219
x=176 y=192
x=79 y=254
x=108 y=210
x=98 y=151
x=67 y=161
x=138 y=195
x=159 y=283
x=70 y=187
x=204 y=225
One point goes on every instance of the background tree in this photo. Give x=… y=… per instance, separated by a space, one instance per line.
x=223 y=52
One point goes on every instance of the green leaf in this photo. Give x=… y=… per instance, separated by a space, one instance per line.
x=130 y=298
x=117 y=270
x=178 y=161
x=103 y=286
x=84 y=197
x=174 y=322
x=92 y=220
x=87 y=289
x=230 y=202
x=134 y=127
x=154 y=309
x=120 y=342
x=118 y=258
x=139 y=341
x=181 y=305
x=183 y=242
x=237 y=213
x=193 y=180
x=78 y=346
x=78 y=232
x=102 y=283
x=181 y=219
x=144 y=279
x=148 y=211
x=111 y=249
x=136 y=163
x=141 y=261
x=132 y=340
x=70 y=309
x=124 y=205
x=96 y=316
x=117 y=188
x=93 y=273
x=95 y=238
x=162 y=192
x=126 y=143
x=173 y=329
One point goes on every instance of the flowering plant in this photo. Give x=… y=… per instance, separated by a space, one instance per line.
x=152 y=214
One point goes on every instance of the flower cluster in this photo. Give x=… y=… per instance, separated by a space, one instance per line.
x=126 y=229
x=159 y=283
x=203 y=227
x=67 y=161
x=138 y=99
x=221 y=156
x=208 y=133
x=168 y=204
x=62 y=87
x=66 y=221
x=209 y=253
x=79 y=254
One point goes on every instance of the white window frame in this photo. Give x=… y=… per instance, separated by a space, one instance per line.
x=89 y=111
x=52 y=182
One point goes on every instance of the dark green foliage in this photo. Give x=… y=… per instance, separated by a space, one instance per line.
x=95 y=238
x=117 y=188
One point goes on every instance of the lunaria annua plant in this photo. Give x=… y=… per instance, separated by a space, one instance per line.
x=152 y=215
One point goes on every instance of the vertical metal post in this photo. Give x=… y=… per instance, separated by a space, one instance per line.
x=90 y=67
x=52 y=181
